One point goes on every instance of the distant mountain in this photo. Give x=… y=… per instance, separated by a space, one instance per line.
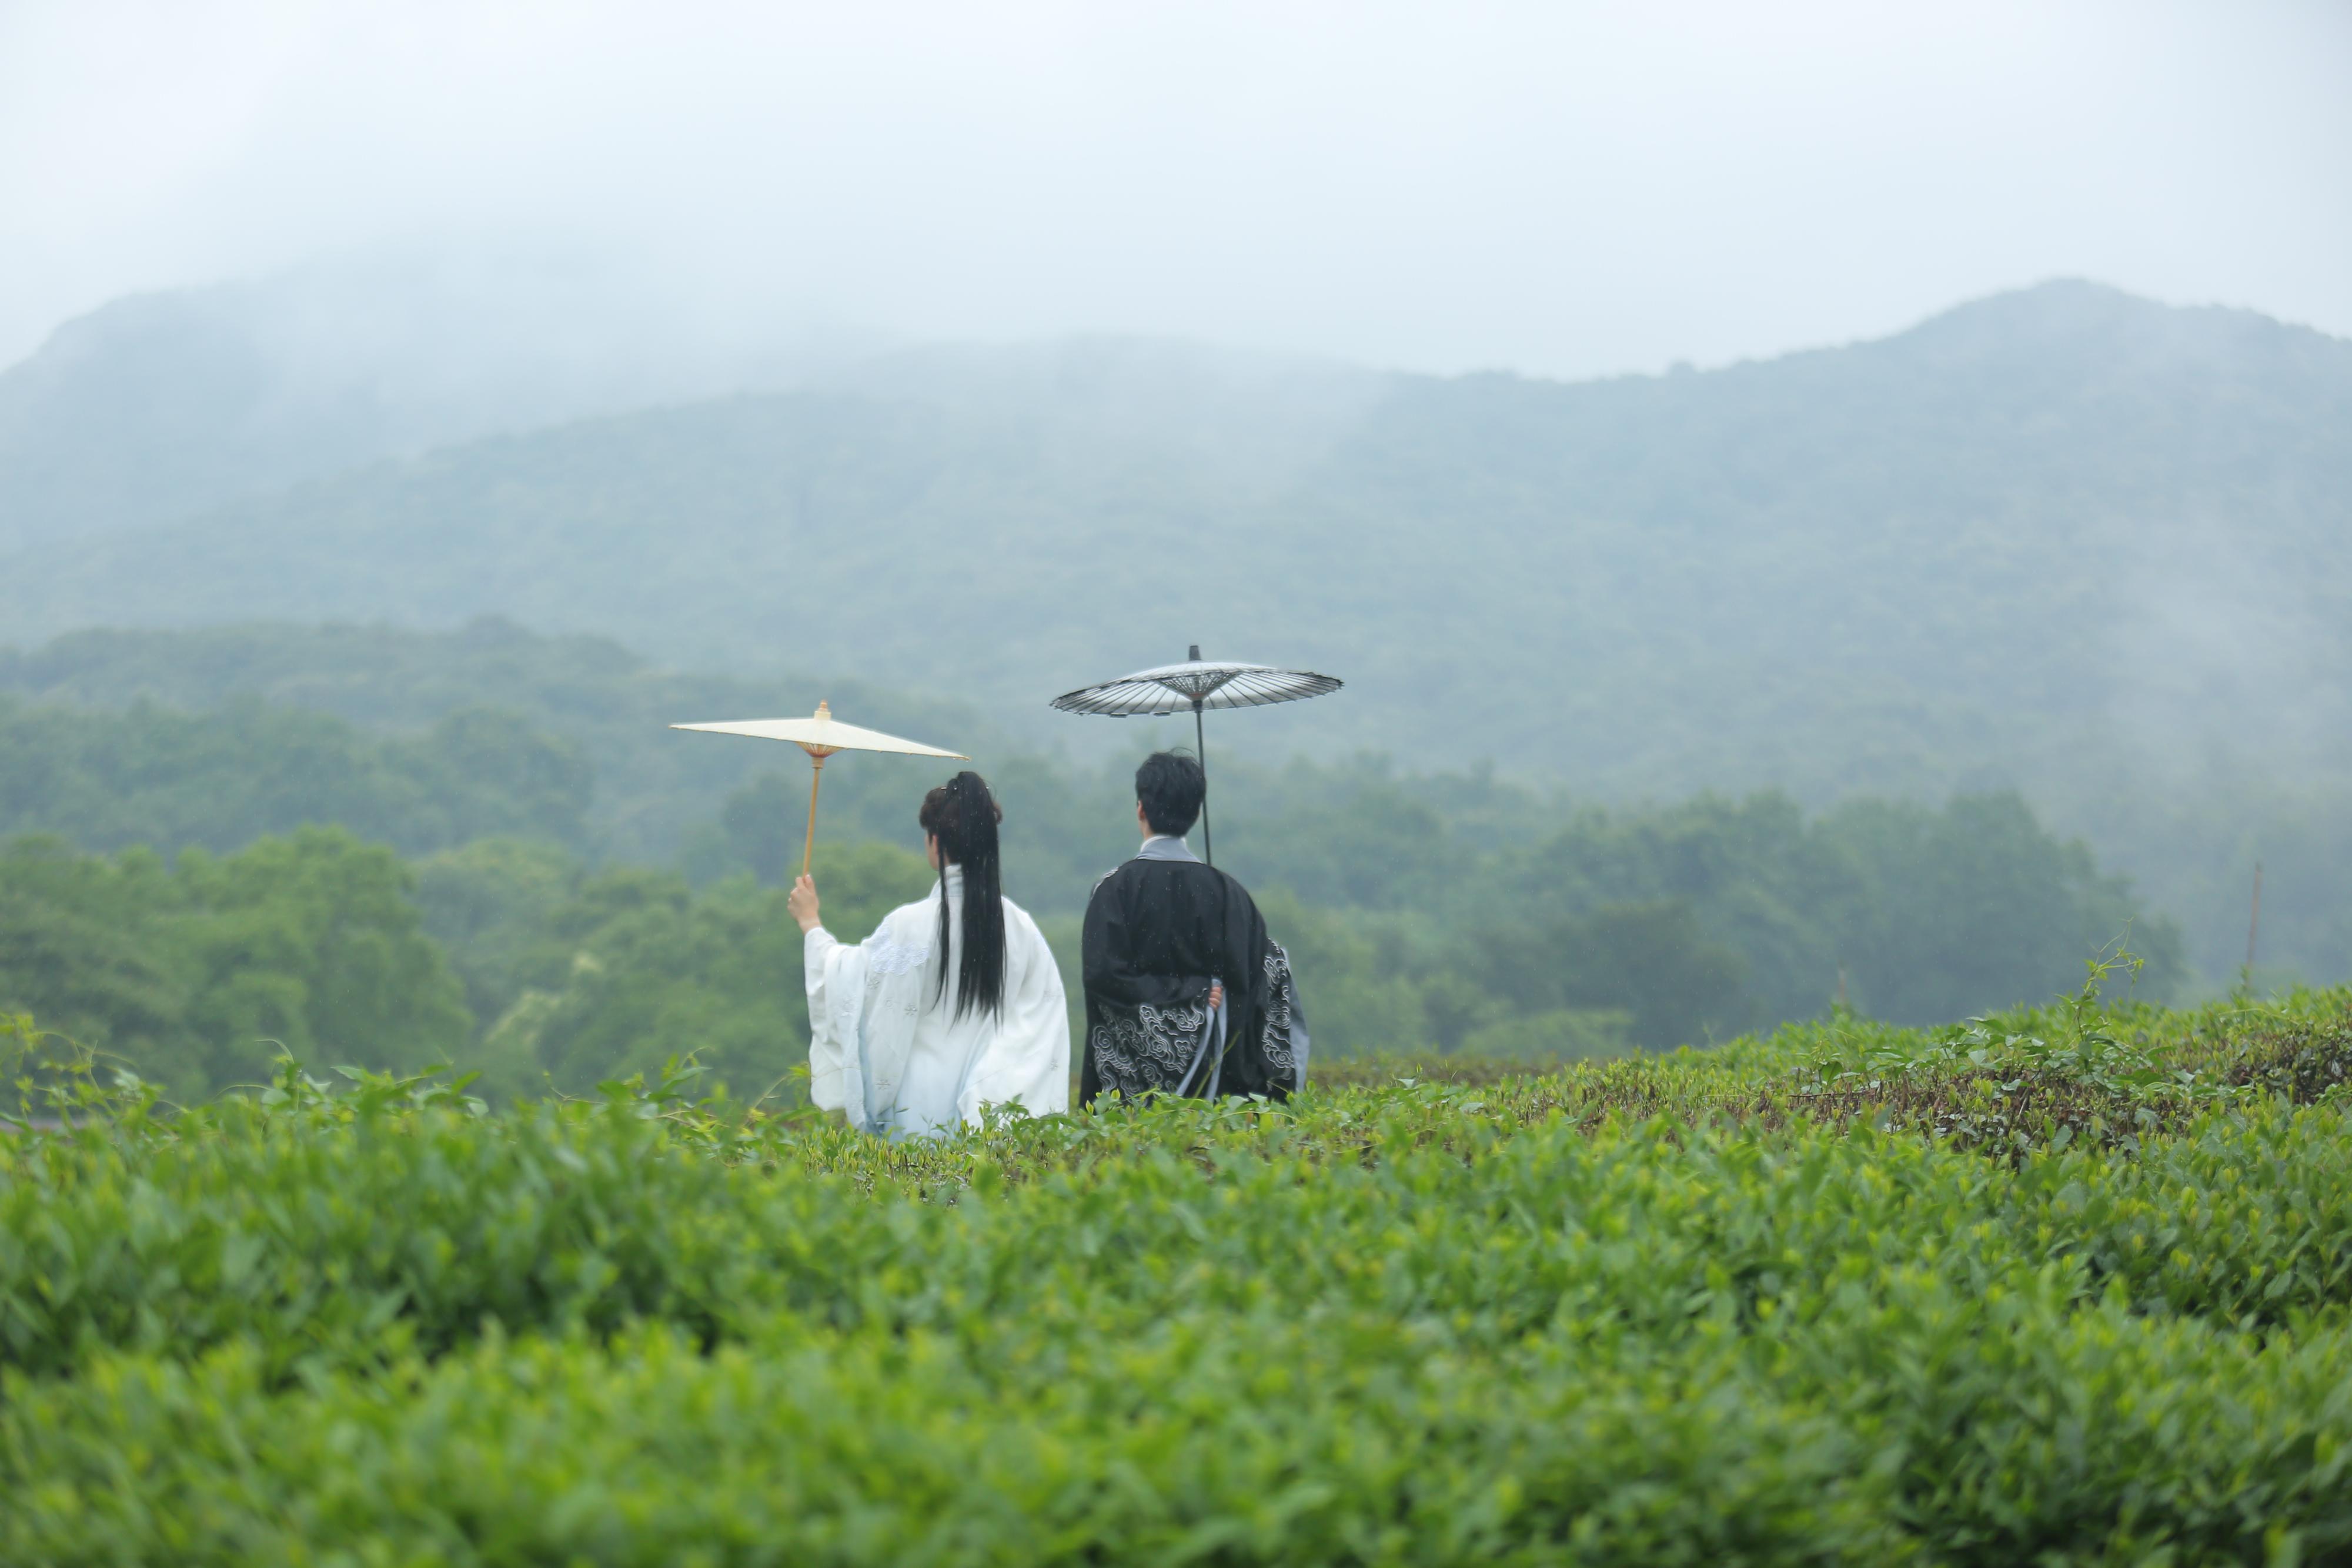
x=2064 y=506
x=158 y=407
x=2062 y=539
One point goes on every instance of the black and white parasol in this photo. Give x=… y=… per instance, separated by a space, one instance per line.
x=1197 y=685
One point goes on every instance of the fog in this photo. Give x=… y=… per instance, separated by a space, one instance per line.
x=1566 y=190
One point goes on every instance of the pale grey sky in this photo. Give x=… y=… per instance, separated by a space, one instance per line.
x=1563 y=188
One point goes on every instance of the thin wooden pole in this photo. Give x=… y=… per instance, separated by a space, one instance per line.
x=1201 y=744
x=816 y=777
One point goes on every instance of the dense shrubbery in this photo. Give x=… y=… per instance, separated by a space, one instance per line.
x=201 y=972
x=612 y=975
x=1455 y=912
x=1569 y=936
x=218 y=780
x=2071 y=1286
x=653 y=790
x=1461 y=914
x=1452 y=913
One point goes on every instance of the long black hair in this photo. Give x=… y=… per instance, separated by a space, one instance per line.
x=962 y=815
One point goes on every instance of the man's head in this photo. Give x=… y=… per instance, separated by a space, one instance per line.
x=1169 y=789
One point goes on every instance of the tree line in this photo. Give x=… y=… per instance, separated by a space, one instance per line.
x=197 y=892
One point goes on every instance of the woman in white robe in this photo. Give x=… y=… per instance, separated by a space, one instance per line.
x=953 y=1003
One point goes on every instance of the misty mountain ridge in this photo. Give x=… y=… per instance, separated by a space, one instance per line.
x=2064 y=451
x=2063 y=538
x=157 y=407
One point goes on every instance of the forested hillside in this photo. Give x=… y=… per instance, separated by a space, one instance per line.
x=1944 y=550
x=2064 y=541
x=587 y=892
x=216 y=781
x=651 y=786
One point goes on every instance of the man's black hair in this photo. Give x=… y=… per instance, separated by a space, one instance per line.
x=1170 y=787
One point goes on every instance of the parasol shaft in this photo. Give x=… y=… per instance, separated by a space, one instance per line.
x=1203 y=685
x=816 y=777
x=1201 y=746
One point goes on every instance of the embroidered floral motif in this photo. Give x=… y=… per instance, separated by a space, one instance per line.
x=884 y=955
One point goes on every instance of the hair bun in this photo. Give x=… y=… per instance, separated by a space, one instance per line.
x=962 y=815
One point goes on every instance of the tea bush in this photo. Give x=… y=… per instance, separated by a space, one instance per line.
x=2073 y=1285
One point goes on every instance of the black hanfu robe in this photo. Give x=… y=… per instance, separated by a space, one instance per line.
x=1158 y=930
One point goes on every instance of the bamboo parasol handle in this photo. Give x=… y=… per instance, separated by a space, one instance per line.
x=818 y=754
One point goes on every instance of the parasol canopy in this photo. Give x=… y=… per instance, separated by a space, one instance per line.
x=821 y=736
x=1196 y=684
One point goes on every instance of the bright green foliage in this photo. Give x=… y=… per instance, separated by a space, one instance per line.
x=1691 y=922
x=634 y=967
x=1712 y=916
x=486 y=902
x=1451 y=911
x=200 y=975
x=1742 y=1307
x=1656 y=928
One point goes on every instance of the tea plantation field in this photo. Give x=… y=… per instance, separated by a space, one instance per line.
x=2069 y=1286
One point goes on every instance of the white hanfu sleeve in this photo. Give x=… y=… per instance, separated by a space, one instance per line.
x=1028 y=1058
x=835 y=975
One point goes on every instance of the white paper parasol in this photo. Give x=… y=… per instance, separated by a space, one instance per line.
x=821 y=736
x=1196 y=683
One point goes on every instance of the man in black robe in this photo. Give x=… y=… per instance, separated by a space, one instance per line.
x=1185 y=992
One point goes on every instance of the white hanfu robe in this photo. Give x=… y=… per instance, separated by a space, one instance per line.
x=886 y=1046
